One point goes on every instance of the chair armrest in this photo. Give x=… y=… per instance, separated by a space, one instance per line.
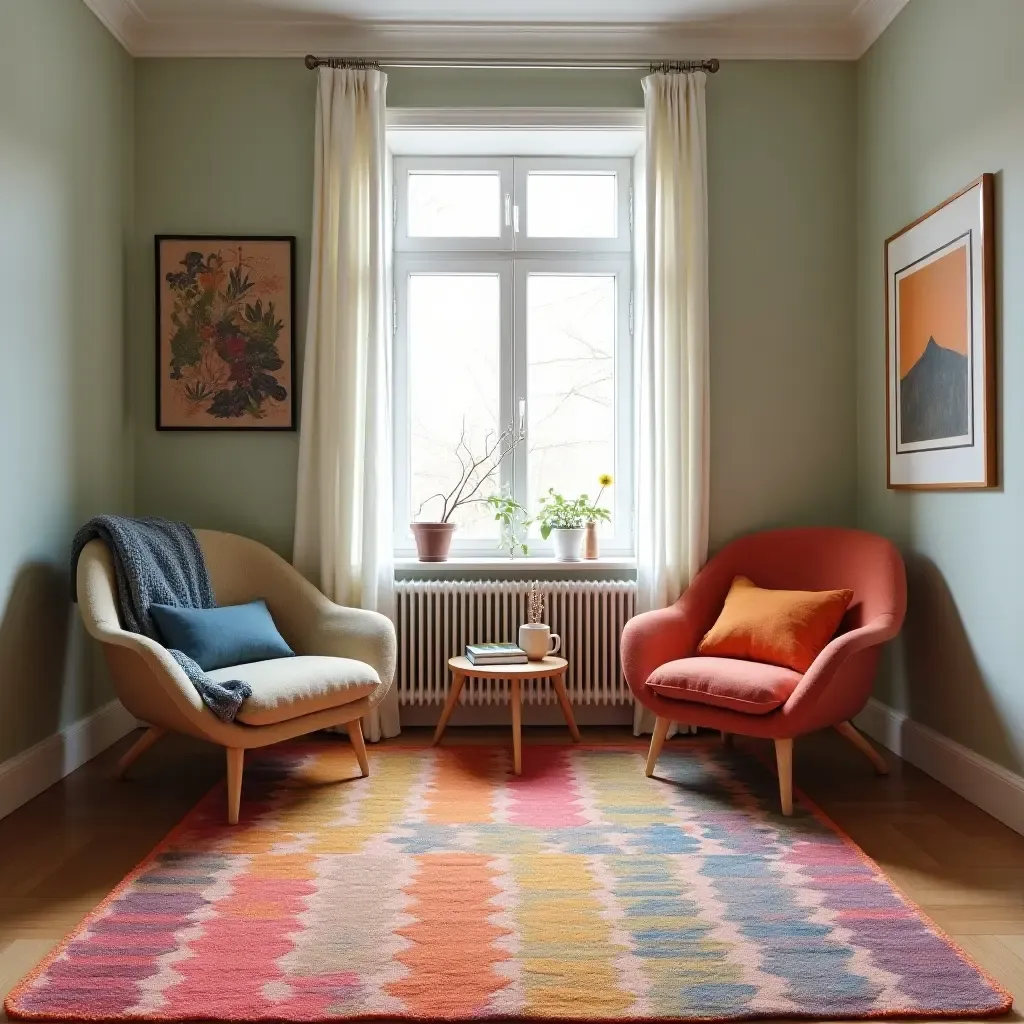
x=651 y=639
x=654 y=638
x=153 y=686
x=355 y=633
x=824 y=668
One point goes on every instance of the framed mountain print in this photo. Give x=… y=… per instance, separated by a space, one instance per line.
x=940 y=346
x=225 y=332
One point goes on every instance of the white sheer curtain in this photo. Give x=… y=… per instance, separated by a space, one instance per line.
x=672 y=479
x=343 y=538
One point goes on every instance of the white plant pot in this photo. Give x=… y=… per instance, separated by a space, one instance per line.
x=568 y=544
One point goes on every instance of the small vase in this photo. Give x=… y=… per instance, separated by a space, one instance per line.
x=590 y=546
x=568 y=544
x=433 y=540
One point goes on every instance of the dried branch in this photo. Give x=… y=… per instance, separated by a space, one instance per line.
x=475 y=472
x=535 y=604
x=425 y=500
x=494 y=469
x=445 y=513
x=461 y=497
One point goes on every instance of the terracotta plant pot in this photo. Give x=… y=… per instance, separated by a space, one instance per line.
x=568 y=544
x=433 y=540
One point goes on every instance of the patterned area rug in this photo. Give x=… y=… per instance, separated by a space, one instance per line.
x=443 y=887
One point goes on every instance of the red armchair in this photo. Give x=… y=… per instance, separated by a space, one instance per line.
x=834 y=688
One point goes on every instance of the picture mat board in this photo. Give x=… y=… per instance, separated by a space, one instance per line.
x=967 y=460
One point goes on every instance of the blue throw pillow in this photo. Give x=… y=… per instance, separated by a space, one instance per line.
x=218 y=637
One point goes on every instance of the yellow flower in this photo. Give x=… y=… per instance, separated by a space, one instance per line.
x=605 y=479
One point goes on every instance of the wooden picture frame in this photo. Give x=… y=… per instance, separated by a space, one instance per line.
x=225 y=332
x=940 y=346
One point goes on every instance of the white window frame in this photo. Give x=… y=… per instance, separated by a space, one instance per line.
x=405 y=266
x=620 y=266
x=502 y=166
x=621 y=168
x=514 y=257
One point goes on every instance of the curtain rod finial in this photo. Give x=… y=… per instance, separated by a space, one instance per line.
x=311 y=61
x=713 y=65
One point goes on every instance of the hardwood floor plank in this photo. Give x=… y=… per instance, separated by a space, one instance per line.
x=998 y=959
x=17 y=958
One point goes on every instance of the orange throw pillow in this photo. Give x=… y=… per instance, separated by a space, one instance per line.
x=780 y=627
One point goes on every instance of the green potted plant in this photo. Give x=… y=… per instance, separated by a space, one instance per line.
x=513 y=521
x=565 y=522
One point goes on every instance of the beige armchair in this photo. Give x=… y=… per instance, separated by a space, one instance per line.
x=344 y=664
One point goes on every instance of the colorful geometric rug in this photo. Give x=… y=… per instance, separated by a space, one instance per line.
x=444 y=888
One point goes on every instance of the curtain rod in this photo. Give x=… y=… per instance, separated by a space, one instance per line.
x=666 y=66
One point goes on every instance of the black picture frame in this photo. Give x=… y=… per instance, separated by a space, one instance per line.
x=159 y=271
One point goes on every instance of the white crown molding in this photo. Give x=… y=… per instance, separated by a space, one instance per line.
x=977 y=779
x=388 y=41
x=870 y=18
x=121 y=18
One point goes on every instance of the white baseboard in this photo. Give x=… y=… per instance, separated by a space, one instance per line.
x=988 y=785
x=27 y=774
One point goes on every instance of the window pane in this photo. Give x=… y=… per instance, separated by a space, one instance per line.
x=570 y=369
x=454 y=347
x=570 y=205
x=452 y=205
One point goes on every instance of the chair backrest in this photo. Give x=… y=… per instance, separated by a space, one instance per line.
x=240 y=570
x=819 y=558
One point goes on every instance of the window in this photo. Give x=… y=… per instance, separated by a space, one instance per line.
x=513 y=299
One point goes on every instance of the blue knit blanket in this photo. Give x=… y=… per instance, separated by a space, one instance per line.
x=160 y=562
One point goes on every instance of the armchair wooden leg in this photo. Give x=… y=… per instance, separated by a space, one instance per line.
x=137 y=749
x=236 y=758
x=355 y=736
x=784 y=761
x=849 y=730
x=657 y=742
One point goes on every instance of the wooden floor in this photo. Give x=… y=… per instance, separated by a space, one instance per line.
x=64 y=851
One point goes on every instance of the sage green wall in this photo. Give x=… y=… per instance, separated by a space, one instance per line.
x=940 y=99
x=65 y=199
x=226 y=146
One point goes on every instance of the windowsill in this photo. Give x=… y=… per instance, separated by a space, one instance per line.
x=490 y=563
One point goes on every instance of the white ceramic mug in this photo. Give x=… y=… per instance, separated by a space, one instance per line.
x=538 y=641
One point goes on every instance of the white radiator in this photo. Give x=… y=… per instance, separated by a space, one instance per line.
x=436 y=619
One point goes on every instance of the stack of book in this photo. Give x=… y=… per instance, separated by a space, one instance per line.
x=495 y=654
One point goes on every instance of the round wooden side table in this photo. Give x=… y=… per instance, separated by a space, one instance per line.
x=551 y=667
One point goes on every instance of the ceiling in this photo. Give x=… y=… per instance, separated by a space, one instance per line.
x=510 y=29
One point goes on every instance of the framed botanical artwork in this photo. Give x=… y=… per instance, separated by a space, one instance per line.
x=940 y=346
x=225 y=332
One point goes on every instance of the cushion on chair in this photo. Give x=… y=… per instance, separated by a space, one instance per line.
x=782 y=627
x=288 y=688
x=217 y=637
x=748 y=686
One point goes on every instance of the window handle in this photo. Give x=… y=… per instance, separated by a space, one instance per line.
x=515 y=219
x=508 y=210
x=522 y=415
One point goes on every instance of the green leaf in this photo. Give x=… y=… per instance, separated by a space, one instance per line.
x=186 y=347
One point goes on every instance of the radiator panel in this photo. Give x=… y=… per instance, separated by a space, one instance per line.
x=435 y=619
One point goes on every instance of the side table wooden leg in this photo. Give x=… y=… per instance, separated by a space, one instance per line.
x=563 y=698
x=517 y=729
x=449 y=706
